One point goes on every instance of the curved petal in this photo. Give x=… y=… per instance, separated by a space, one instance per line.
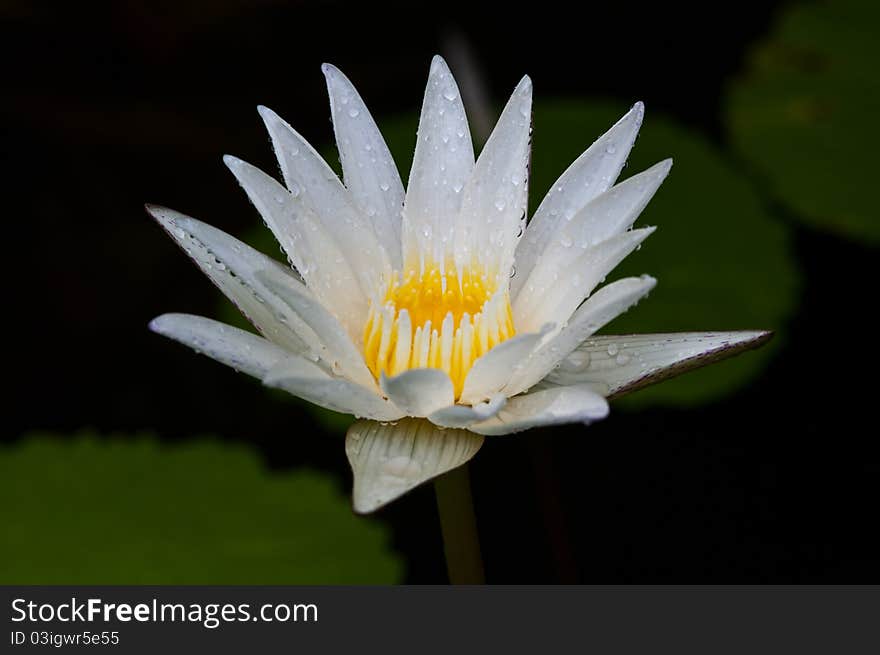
x=442 y=163
x=305 y=380
x=389 y=460
x=614 y=365
x=566 y=275
x=603 y=306
x=591 y=174
x=461 y=416
x=314 y=185
x=367 y=165
x=309 y=247
x=576 y=404
x=334 y=346
x=419 y=391
x=604 y=218
x=231 y=265
x=614 y=211
x=493 y=211
x=490 y=372
x=226 y=344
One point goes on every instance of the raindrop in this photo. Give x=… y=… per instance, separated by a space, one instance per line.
x=612 y=349
x=353 y=112
x=450 y=95
x=384 y=186
x=499 y=205
x=611 y=148
x=457 y=188
x=402 y=467
x=565 y=241
x=578 y=361
x=622 y=359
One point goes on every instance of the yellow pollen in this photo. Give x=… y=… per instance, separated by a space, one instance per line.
x=437 y=319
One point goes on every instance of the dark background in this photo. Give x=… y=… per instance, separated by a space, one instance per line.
x=110 y=105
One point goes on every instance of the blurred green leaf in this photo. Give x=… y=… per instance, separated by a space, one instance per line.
x=803 y=114
x=132 y=510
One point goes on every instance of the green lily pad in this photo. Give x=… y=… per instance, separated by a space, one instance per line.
x=803 y=113
x=721 y=260
x=132 y=510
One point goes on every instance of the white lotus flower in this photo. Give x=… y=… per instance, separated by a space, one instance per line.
x=435 y=313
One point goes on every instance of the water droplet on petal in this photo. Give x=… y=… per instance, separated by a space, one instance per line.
x=612 y=349
x=353 y=112
x=402 y=466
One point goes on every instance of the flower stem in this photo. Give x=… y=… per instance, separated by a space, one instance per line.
x=461 y=542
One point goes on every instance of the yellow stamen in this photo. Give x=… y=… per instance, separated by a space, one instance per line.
x=437 y=319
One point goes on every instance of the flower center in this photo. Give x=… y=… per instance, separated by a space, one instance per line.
x=437 y=319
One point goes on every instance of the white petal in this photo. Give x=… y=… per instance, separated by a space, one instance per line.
x=591 y=174
x=334 y=346
x=603 y=218
x=367 y=165
x=231 y=265
x=602 y=307
x=309 y=247
x=389 y=460
x=419 y=391
x=273 y=202
x=442 y=163
x=618 y=364
x=226 y=344
x=313 y=184
x=300 y=379
x=614 y=211
x=461 y=416
x=490 y=372
x=494 y=207
x=566 y=275
x=577 y=404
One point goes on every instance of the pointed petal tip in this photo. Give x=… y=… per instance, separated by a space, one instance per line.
x=760 y=337
x=332 y=74
x=161 y=214
x=267 y=114
x=231 y=161
x=155 y=325
x=663 y=167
